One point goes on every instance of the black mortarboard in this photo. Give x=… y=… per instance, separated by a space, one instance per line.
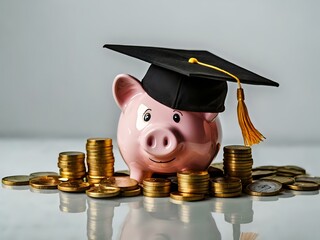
x=174 y=81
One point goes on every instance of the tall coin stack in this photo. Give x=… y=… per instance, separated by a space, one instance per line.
x=237 y=162
x=71 y=165
x=193 y=182
x=100 y=159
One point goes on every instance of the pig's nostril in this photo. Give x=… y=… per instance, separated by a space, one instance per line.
x=165 y=142
x=150 y=141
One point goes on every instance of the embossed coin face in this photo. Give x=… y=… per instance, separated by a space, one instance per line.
x=73 y=186
x=17 y=180
x=264 y=188
x=98 y=192
x=46 y=182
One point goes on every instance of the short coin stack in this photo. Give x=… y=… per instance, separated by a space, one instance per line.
x=225 y=187
x=71 y=165
x=237 y=162
x=156 y=187
x=193 y=182
x=100 y=159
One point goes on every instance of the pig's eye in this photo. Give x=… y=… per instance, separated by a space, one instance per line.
x=147 y=117
x=176 y=117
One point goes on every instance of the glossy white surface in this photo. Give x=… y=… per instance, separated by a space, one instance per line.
x=32 y=215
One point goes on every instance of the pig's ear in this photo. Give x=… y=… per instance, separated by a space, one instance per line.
x=210 y=117
x=125 y=88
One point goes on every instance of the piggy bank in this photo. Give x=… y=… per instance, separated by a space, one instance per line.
x=154 y=138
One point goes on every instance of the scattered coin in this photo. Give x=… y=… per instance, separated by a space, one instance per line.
x=264 y=188
x=308 y=179
x=107 y=192
x=281 y=179
x=45 y=182
x=73 y=186
x=304 y=186
x=17 y=180
x=43 y=174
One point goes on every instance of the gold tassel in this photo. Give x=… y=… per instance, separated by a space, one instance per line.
x=249 y=133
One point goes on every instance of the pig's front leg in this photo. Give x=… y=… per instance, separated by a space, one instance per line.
x=139 y=174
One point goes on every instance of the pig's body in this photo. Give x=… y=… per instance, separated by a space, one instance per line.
x=155 y=138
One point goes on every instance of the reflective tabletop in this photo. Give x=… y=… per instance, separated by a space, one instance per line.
x=27 y=213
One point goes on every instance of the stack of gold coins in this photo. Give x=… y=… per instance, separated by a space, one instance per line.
x=237 y=162
x=100 y=159
x=156 y=187
x=71 y=165
x=128 y=187
x=226 y=187
x=193 y=182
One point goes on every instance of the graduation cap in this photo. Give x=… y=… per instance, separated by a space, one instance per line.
x=195 y=80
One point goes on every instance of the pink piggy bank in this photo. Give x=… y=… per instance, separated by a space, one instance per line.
x=155 y=138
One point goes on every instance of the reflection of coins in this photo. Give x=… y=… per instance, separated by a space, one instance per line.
x=281 y=179
x=17 y=180
x=186 y=196
x=46 y=182
x=43 y=174
x=304 y=186
x=264 y=188
x=97 y=192
x=73 y=186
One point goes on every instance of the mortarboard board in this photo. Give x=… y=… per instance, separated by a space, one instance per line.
x=194 y=80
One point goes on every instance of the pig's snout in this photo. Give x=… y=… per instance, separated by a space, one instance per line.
x=159 y=142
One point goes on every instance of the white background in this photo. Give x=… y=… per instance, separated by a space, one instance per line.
x=55 y=77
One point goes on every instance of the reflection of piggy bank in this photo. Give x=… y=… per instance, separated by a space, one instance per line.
x=155 y=138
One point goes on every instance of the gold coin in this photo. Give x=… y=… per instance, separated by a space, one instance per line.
x=98 y=140
x=192 y=174
x=178 y=196
x=289 y=171
x=157 y=188
x=17 y=180
x=237 y=149
x=303 y=186
x=308 y=179
x=73 y=186
x=225 y=180
x=263 y=188
x=72 y=154
x=131 y=193
x=267 y=167
x=156 y=182
x=281 y=179
x=295 y=168
x=227 y=190
x=97 y=192
x=239 y=157
x=41 y=174
x=46 y=182
x=256 y=174
x=214 y=171
x=227 y=195
x=124 y=183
